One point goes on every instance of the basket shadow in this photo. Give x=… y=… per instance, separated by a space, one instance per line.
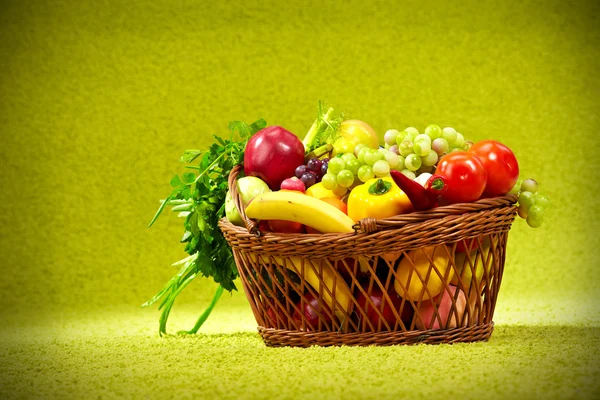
x=513 y=336
x=548 y=335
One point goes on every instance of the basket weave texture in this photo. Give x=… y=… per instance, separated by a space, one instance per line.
x=425 y=277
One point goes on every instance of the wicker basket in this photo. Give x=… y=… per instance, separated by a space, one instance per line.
x=424 y=277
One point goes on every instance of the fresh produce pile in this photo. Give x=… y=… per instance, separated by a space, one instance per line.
x=336 y=176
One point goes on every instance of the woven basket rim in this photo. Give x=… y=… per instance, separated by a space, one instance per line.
x=281 y=337
x=366 y=225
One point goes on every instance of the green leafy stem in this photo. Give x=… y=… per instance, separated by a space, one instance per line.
x=199 y=198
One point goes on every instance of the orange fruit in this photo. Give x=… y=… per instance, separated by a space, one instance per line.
x=337 y=203
x=334 y=201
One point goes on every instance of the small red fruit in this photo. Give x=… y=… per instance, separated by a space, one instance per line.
x=294 y=184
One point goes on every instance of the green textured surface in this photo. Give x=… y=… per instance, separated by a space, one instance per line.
x=98 y=100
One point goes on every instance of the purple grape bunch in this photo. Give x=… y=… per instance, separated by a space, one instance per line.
x=312 y=172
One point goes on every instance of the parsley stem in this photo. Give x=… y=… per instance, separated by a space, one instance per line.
x=177 y=201
x=160 y=209
x=193 y=257
x=205 y=314
x=183 y=207
x=169 y=304
x=212 y=164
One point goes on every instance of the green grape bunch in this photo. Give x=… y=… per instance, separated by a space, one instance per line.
x=532 y=203
x=408 y=151
x=420 y=152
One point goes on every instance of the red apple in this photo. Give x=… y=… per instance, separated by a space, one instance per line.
x=275 y=318
x=311 y=312
x=377 y=298
x=272 y=155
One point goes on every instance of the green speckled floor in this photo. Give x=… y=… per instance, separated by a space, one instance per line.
x=99 y=99
x=116 y=354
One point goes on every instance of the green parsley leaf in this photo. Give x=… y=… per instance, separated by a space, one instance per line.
x=245 y=130
x=190 y=155
x=176 y=182
x=188 y=178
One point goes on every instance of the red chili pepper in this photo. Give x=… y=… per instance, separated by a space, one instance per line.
x=422 y=198
x=437 y=185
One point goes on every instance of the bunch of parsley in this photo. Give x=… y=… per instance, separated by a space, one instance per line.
x=199 y=198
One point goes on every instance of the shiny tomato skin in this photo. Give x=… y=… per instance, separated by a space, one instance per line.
x=500 y=164
x=281 y=226
x=466 y=176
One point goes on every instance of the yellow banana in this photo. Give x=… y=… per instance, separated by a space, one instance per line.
x=298 y=207
x=315 y=276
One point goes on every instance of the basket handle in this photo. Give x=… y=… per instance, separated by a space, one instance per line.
x=251 y=225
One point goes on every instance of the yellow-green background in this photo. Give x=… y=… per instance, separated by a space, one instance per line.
x=99 y=99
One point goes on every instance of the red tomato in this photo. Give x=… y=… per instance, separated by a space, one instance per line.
x=281 y=226
x=465 y=174
x=263 y=226
x=500 y=164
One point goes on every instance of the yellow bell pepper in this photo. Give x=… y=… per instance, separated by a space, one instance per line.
x=377 y=198
x=424 y=273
